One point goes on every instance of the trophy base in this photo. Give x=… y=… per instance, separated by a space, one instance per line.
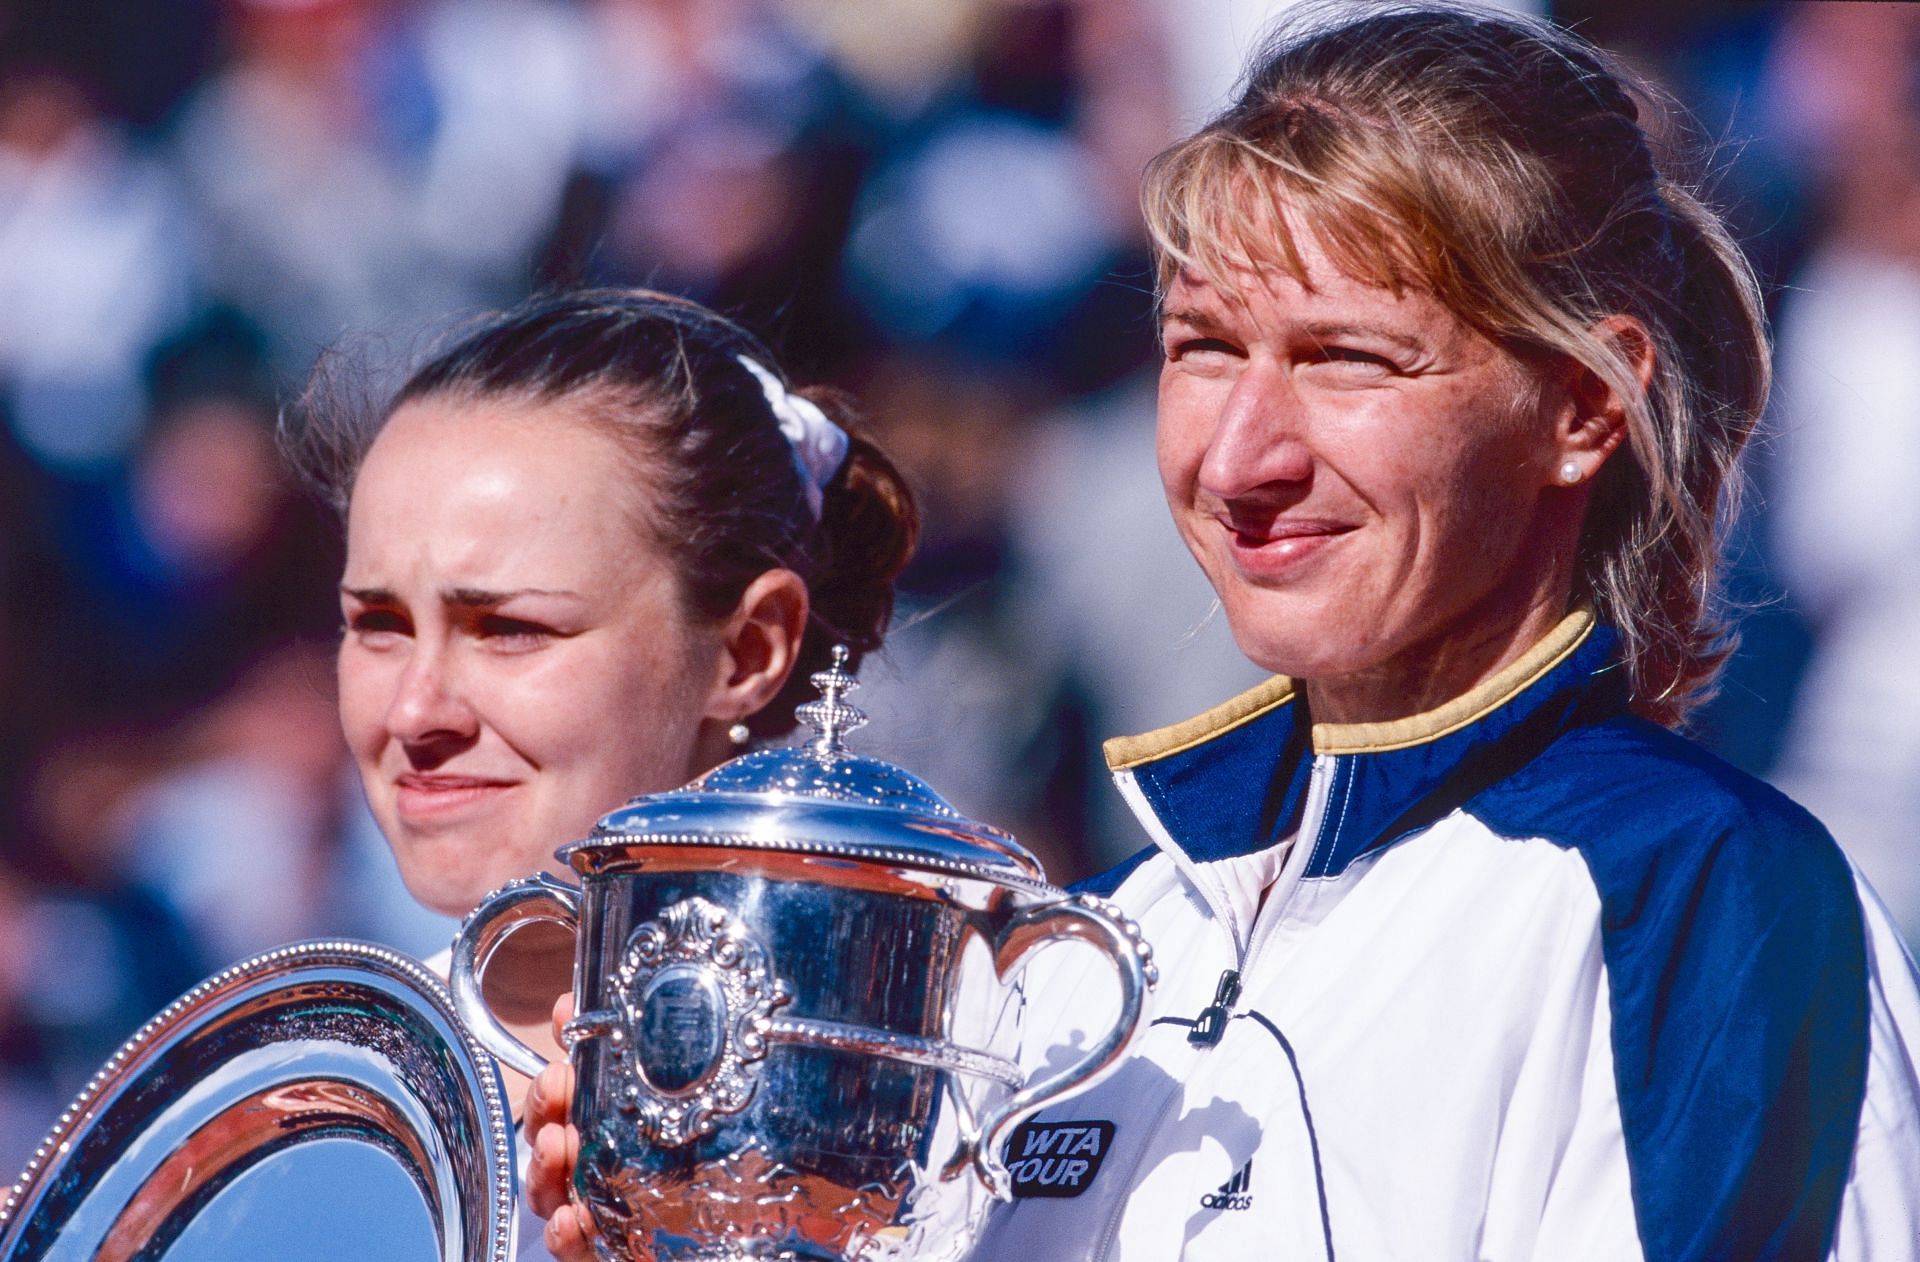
x=739 y=1251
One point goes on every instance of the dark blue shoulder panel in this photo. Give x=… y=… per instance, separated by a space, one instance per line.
x=1736 y=960
x=1235 y=793
x=1105 y=883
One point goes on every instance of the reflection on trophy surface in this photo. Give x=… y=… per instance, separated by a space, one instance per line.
x=320 y=1058
x=797 y=1033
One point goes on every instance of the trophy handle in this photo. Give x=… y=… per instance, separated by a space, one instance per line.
x=534 y=898
x=1097 y=922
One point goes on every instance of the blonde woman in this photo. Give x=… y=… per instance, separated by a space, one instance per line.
x=1467 y=953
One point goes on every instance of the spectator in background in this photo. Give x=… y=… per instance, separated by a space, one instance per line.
x=721 y=151
x=996 y=223
x=136 y=59
x=240 y=835
x=1009 y=742
x=93 y=273
x=176 y=794
x=184 y=568
x=1846 y=523
x=103 y=954
x=359 y=163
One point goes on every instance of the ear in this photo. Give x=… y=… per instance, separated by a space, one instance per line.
x=1595 y=421
x=759 y=644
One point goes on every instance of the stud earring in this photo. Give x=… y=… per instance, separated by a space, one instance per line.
x=1570 y=473
x=739 y=734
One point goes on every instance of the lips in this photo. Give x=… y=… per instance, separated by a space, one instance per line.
x=1269 y=545
x=424 y=794
x=1283 y=532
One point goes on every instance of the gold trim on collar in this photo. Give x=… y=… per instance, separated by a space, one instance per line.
x=1124 y=752
x=1469 y=708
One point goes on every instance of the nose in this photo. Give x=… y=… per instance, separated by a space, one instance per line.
x=429 y=714
x=1259 y=442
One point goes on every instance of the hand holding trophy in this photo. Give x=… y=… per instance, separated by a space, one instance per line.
x=796 y=1030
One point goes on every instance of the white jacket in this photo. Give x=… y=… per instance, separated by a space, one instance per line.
x=1536 y=980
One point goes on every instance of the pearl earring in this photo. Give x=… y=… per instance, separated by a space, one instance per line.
x=739 y=734
x=1570 y=473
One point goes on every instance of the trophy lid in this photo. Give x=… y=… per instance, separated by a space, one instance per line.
x=816 y=797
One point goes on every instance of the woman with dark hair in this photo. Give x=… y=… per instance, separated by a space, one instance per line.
x=1465 y=952
x=593 y=547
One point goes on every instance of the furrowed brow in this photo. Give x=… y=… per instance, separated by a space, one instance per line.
x=1326 y=331
x=370 y=595
x=1192 y=318
x=481 y=598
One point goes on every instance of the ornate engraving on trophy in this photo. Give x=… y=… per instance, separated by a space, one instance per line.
x=682 y=1029
x=754 y=1206
x=696 y=994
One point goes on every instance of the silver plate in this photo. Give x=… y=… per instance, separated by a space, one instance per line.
x=350 y=1045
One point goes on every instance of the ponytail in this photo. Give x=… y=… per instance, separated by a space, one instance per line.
x=866 y=534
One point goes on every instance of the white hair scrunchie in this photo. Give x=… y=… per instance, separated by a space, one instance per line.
x=819 y=446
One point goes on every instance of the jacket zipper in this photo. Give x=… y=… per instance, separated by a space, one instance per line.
x=1227 y=991
x=1212 y=1023
x=1313 y=823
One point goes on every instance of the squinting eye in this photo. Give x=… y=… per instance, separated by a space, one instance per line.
x=1357 y=357
x=376 y=621
x=1198 y=346
x=513 y=632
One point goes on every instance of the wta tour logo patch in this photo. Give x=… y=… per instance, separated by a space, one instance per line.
x=1057 y=1158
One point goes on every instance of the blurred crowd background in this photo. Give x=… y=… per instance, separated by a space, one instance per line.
x=930 y=202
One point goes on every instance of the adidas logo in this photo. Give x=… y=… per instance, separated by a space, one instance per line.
x=1233 y=1193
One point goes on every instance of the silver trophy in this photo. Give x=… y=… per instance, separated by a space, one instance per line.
x=798 y=1029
